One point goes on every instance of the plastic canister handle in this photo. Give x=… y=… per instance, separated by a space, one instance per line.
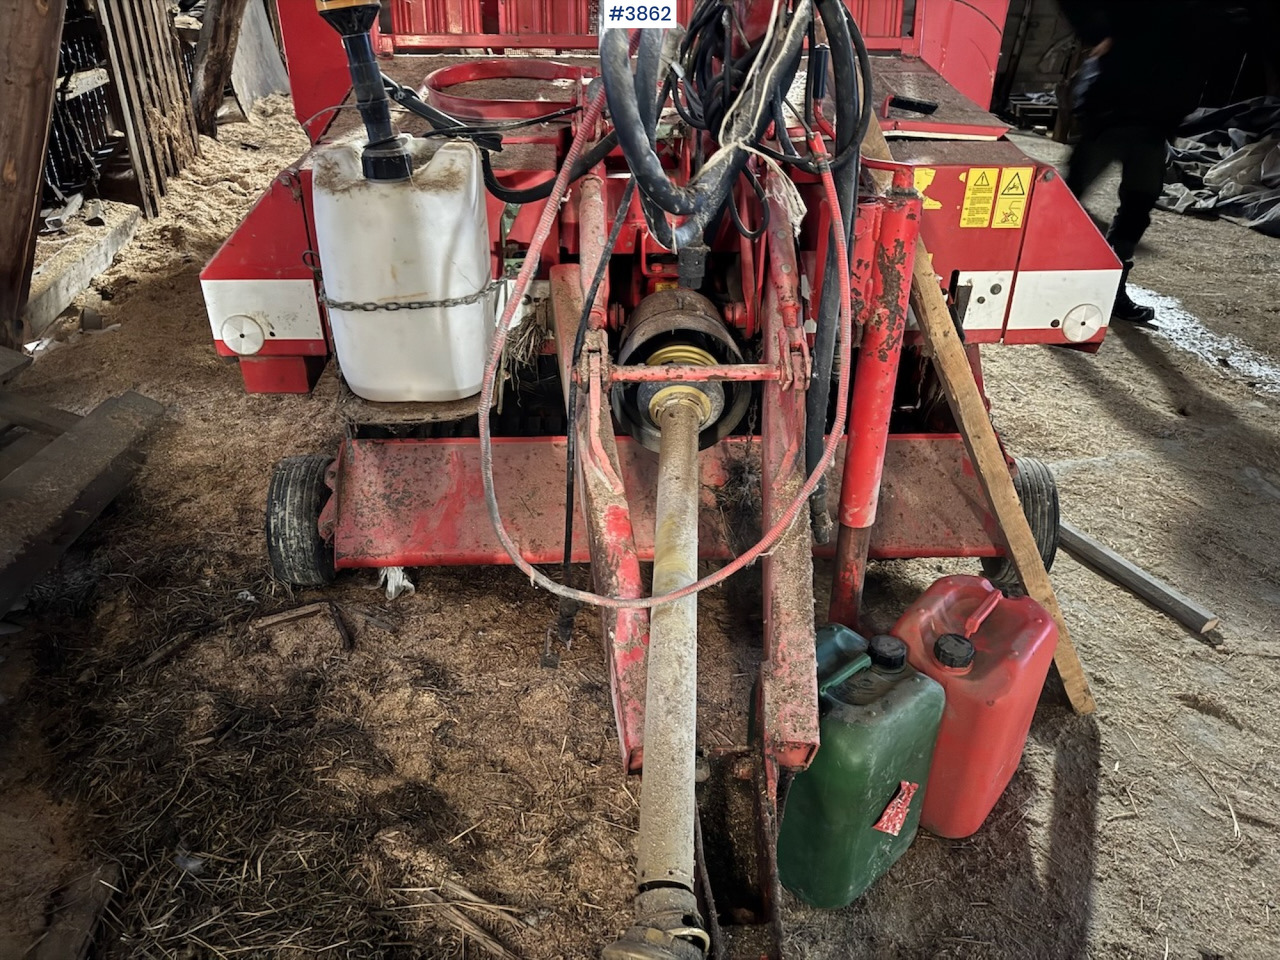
x=984 y=609
x=856 y=665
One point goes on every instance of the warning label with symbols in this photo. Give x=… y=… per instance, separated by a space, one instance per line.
x=1011 y=200
x=979 y=196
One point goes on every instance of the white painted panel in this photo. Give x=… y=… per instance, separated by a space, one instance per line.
x=1042 y=297
x=284 y=309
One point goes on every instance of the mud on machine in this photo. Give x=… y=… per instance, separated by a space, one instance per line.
x=670 y=270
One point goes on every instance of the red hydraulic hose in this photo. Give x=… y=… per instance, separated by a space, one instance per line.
x=527 y=271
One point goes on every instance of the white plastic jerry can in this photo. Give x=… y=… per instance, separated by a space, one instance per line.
x=421 y=239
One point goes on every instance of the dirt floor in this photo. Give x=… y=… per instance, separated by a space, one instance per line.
x=282 y=793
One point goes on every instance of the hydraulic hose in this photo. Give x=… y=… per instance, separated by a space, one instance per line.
x=848 y=137
x=542 y=190
x=702 y=199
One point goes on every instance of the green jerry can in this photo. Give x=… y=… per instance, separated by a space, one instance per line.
x=855 y=810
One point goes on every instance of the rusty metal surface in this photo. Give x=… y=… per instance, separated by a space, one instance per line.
x=615 y=563
x=871 y=401
x=411 y=502
x=788 y=674
x=664 y=844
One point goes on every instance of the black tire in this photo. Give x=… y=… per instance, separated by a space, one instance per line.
x=299 y=555
x=1039 y=495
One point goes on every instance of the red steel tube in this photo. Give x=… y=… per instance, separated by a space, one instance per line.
x=871 y=403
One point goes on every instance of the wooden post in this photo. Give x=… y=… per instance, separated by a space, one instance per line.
x=30 y=37
x=214 y=55
x=965 y=400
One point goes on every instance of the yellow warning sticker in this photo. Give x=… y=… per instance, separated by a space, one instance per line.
x=924 y=177
x=979 y=196
x=1011 y=200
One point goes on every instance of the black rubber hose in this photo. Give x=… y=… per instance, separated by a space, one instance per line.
x=818 y=397
x=648 y=57
x=542 y=190
x=703 y=198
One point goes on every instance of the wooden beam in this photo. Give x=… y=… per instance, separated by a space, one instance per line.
x=257 y=70
x=12 y=363
x=76 y=910
x=132 y=106
x=215 y=54
x=68 y=273
x=47 y=502
x=970 y=413
x=30 y=38
x=35 y=415
x=1136 y=580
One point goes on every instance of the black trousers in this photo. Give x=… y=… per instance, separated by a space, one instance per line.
x=1141 y=152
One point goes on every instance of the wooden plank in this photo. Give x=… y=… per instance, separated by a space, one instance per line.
x=12 y=363
x=143 y=14
x=29 y=45
x=214 y=55
x=46 y=503
x=76 y=910
x=35 y=415
x=184 y=121
x=158 y=33
x=126 y=88
x=21 y=449
x=69 y=272
x=82 y=82
x=148 y=104
x=965 y=400
x=974 y=422
x=1133 y=578
x=257 y=70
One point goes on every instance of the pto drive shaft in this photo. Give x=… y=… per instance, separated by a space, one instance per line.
x=667 y=924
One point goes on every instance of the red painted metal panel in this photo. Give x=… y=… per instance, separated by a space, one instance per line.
x=318 y=73
x=446 y=16
x=271 y=240
x=420 y=503
x=961 y=40
x=788 y=673
x=1060 y=234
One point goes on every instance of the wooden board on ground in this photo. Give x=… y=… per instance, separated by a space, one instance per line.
x=257 y=70
x=74 y=914
x=12 y=363
x=48 y=501
x=1129 y=575
x=971 y=416
x=68 y=272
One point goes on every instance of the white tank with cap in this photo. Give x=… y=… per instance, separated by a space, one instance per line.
x=386 y=243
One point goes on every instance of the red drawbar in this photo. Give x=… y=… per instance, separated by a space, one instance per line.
x=419 y=503
x=990 y=702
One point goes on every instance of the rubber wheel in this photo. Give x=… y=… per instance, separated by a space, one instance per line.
x=299 y=555
x=1039 y=495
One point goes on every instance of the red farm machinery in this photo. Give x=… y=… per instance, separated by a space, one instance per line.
x=597 y=281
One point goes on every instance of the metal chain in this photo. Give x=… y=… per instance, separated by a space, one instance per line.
x=371 y=306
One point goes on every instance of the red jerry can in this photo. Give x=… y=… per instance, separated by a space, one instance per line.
x=991 y=655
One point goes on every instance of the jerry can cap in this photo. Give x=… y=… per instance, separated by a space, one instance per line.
x=953 y=650
x=888 y=652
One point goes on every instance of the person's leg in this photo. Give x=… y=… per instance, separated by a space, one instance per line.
x=1141 y=183
x=1089 y=158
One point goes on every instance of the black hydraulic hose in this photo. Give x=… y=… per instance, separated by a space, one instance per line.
x=569 y=608
x=863 y=109
x=703 y=198
x=648 y=57
x=542 y=190
x=848 y=138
